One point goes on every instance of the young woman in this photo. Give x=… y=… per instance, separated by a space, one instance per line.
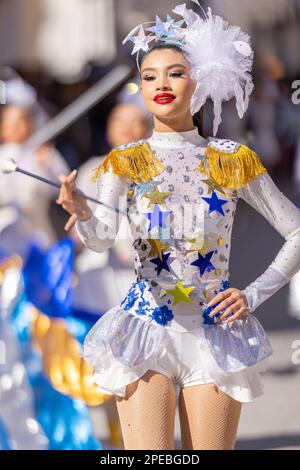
x=181 y=322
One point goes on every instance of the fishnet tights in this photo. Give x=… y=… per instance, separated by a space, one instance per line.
x=208 y=417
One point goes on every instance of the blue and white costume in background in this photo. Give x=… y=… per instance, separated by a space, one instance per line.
x=179 y=267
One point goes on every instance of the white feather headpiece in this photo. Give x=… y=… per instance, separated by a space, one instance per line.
x=220 y=54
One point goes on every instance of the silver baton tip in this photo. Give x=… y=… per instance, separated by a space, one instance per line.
x=8 y=165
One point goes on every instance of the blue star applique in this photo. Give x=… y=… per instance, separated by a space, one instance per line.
x=215 y=204
x=165 y=28
x=160 y=29
x=161 y=264
x=157 y=217
x=172 y=23
x=203 y=262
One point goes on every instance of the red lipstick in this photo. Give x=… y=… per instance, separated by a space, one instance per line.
x=164 y=98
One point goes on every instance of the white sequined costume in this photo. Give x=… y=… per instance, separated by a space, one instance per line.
x=181 y=266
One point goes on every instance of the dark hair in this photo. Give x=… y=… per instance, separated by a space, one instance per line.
x=198 y=118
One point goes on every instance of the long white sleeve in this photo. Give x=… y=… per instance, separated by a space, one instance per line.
x=264 y=196
x=100 y=231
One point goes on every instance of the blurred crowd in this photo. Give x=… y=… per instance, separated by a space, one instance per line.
x=27 y=205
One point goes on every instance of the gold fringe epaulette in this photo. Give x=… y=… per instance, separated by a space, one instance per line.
x=137 y=162
x=230 y=164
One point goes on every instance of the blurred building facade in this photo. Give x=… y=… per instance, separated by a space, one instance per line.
x=63 y=36
x=60 y=36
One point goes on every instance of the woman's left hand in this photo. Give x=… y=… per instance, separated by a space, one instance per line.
x=233 y=300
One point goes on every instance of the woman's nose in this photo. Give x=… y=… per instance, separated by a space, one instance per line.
x=163 y=84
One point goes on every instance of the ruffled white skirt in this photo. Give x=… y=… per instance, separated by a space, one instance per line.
x=122 y=346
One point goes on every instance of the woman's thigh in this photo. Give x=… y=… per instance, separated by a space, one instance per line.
x=209 y=418
x=147 y=413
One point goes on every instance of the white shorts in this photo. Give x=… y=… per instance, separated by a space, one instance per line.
x=183 y=363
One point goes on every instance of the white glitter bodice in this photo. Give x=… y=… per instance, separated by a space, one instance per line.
x=183 y=239
x=186 y=225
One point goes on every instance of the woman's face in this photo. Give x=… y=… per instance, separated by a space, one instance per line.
x=167 y=71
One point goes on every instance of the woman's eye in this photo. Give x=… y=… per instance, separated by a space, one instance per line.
x=149 y=78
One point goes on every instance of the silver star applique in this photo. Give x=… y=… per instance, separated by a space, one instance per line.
x=141 y=41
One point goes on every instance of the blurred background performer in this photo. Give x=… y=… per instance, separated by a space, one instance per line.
x=104 y=278
x=25 y=202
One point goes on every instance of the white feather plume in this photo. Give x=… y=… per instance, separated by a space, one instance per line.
x=222 y=59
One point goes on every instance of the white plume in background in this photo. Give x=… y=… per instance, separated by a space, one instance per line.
x=17 y=91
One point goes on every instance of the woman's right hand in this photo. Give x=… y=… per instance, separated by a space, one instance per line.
x=72 y=202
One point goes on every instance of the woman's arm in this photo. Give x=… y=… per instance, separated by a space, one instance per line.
x=264 y=196
x=100 y=231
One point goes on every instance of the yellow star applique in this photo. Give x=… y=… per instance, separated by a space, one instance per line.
x=213 y=185
x=196 y=242
x=157 y=247
x=220 y=241
x=156 y=197
x=181 y=293
x=202 y=249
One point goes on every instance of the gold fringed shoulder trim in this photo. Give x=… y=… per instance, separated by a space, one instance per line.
x=231 y=164
x=138 y=162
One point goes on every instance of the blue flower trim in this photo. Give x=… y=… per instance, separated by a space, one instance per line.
x=142 y=310
x=133 y=294
x=161 y=315
x=212 y=320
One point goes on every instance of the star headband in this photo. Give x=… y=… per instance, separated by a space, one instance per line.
x=220 y=55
